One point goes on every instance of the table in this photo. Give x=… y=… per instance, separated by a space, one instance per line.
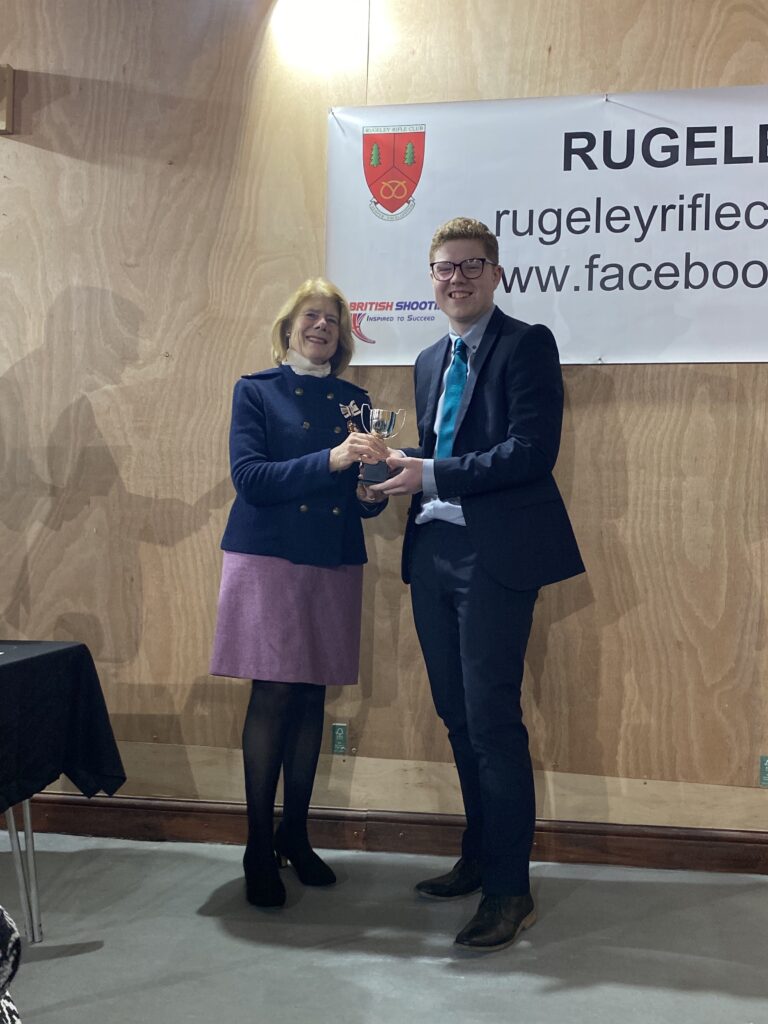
x=53 y=721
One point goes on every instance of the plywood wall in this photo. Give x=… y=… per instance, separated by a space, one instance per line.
x=163 y=191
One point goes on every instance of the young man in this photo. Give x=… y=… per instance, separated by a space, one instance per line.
x=486 y=529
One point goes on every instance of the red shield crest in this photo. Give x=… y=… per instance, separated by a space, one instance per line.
x=393 y=158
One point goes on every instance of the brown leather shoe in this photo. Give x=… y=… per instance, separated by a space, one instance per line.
x=462 y=880
x=498 y=922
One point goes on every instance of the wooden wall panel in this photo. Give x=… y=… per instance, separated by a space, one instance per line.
x=164 y=189
x=651 y=666
x=515 y=48
x=664 y=473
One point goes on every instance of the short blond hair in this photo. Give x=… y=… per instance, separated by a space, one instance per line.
x=465 y=228
x=314 y=288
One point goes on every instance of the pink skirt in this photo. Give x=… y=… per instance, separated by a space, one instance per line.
x=288 y=623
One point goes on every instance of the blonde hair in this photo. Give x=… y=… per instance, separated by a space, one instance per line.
x=466 y=228
x=314 y=287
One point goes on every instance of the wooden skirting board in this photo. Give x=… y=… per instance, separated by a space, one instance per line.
x=568 y=842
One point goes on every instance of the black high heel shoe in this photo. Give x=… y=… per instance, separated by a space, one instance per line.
x=263 y=885
x=311 y=869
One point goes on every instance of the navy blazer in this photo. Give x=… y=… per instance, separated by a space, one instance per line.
x=505 y=447
x=289 y=504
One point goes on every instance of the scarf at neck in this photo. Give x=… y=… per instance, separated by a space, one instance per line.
x=300 y=364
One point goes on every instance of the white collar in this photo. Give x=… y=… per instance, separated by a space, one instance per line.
x=301 y=365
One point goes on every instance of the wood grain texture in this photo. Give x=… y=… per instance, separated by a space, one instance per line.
x=164 y=189
x=650 y=666
x=514 y=48
x=182 y=771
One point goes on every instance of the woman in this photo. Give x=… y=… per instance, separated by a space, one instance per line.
x=291 y=589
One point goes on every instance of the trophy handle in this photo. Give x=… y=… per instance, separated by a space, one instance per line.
x=398 y=414
x=364 y=406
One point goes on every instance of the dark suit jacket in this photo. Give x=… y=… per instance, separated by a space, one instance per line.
x=289 y=504
x=505 y=447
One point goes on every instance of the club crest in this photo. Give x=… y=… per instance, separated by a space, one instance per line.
x=393 y=158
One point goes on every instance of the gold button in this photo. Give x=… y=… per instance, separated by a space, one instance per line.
x=305 y=424
x=329 y=395
x=337 y=430
x=298 y=391
x=336 y=510
x=303 y=508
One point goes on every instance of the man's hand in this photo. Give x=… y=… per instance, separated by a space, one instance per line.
x=407 y=478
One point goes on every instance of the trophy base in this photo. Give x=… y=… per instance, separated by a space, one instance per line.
x=375 y=473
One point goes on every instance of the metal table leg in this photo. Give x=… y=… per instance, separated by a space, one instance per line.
x=29 y=854
x=19 y=866
x=26 y=874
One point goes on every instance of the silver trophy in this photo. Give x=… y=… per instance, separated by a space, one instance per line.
x=383 y=423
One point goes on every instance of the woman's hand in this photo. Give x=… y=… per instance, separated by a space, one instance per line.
x=357 y=447
x=364 y=493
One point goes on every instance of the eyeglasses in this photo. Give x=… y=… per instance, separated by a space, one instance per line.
x=444 y=270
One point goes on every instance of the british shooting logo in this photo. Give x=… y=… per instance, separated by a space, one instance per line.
x=393 y=158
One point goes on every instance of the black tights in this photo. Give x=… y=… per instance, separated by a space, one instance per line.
x=283 y=728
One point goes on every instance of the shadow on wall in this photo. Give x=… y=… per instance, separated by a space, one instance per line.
x=208 y=712
x=73 y=570
x=641 y=669
x=86 y=119
x=205 y=716
x=390 y=713
x=101 y=120
x=564 y=684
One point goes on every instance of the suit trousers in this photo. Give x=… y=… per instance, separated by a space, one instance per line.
x=473 y=633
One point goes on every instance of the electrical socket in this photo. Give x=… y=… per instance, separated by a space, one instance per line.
x=339 y=737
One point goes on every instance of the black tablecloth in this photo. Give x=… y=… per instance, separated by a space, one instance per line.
x=53 y=721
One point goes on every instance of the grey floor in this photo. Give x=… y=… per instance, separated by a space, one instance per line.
x=160 y=932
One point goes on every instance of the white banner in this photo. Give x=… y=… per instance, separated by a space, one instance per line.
x=634 y=225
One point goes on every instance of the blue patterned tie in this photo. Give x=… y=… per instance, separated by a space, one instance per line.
x=454 y=388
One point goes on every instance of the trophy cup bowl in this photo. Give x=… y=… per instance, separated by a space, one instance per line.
x=383 y=423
